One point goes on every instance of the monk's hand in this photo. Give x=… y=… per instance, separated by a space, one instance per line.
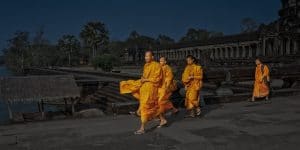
x=143 y=80
x=191 y=77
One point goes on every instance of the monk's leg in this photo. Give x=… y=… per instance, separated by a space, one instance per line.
x=163 y=120
x=141 y=130
x=188 y=103
x=196 y=102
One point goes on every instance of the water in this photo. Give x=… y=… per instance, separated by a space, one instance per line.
x=17 y=107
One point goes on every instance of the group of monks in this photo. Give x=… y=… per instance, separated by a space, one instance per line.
x=154 y=89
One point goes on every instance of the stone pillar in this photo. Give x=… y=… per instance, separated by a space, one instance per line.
x=230 y=49
x=250 y=52
x=275 y=46
x=243 y=51
x=237 y=52
x=216 y=53
x=288 y=47
x=263 y=52
x=295 y=47
x=221 y=55
x=226 y=53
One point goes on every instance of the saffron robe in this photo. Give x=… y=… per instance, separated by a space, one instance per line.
x=147 y=92
x=193 y=86
x=262 y=78
x=165 y=91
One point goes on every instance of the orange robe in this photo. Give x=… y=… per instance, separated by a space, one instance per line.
x=146 y=93
x=193 y=86
x=165 y=91
x=131 y=86
x=262 y=76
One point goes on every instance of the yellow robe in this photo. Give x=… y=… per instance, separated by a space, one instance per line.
x=146 y=93
x=262 y=76
x=131 y=86
x=193 y=86
x=165 y=91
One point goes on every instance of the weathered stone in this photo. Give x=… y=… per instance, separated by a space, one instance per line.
x=87 y=113
x=18 y=117
x=58 y=117
x=296 y=84
x=276 y=83
x=224 y=91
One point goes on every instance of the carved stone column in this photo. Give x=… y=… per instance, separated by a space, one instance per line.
x=263 y=52
x=237 y=51
x=243 y=52
x=230 y=49
x=295 y=47
x=250 y=52
x=288 y=47
x=226 y=53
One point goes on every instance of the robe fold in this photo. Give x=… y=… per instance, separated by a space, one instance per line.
x=165 y=91
x=262 y=78
x=192 y=86
x=131 y=87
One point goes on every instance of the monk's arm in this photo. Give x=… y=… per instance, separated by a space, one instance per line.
x=185 y=77
x=266 y=73
x=199 y=73
x=169 y=77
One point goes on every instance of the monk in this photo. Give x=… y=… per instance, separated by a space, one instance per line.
x=192 y=80
x=262 y=80
x=146 y=91
x=165 y=91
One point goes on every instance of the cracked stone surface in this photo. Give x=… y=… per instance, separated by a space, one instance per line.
x=251 y=126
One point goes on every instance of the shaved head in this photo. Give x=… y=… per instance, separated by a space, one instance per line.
x=149 y=56
x=150 y=52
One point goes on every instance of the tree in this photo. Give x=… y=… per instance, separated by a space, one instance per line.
x=94 y=35
x=38 y=48
x=195 y=35
x=215 y=34
x=18 y=50
x=164 y=40
x=137 y=44
x=70 y=46
x=248 y=25
x=106 y=62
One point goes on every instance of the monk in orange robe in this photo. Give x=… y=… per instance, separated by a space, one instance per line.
x=262 y=80
x=147 y=92
x=165 y=91
x=192 y=80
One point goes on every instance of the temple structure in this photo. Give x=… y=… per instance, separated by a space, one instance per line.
x=279 y=39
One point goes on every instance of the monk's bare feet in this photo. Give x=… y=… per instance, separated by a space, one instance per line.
x=175 y=111
x=191 y=115
x=162 y=123
x=139 y=132
x=198 y=111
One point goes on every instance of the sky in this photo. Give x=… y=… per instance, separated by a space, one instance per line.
x=147 y=17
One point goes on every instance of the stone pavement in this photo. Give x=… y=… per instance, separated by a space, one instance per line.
x=251 y=126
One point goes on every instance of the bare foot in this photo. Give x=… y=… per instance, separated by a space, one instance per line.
x=139 y=132
x=198 y=112
x=162 y=123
